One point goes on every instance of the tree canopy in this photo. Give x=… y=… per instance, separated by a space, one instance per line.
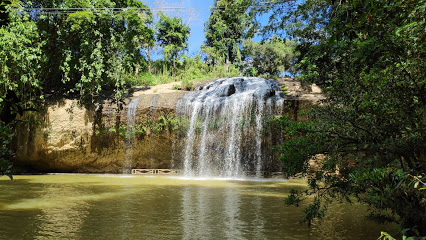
x=225 y=29
x=172 y=35
x=82 y=52
x=91 y=49
x=369 y=59
x=270 y=57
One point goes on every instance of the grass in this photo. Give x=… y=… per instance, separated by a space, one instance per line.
x=194 y=72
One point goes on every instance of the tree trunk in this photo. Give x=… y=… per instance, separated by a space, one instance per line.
x=174 y=67
x=283 y=72
x=148 y=56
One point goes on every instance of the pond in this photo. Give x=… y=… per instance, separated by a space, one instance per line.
x=160 y=207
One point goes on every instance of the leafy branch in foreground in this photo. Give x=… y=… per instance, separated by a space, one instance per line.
x=368 y=57
x=351 y=173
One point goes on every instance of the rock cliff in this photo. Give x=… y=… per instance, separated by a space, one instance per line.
x=68 y=137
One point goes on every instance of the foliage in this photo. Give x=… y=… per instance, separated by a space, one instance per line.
x=284 y=89
x=188 y=70
x=251 y=72
x=223 y=70
x=4 y=15
x=143 y=79
x=20 y=59
x=368 y=56
x=193 y=68
x=270 y=57
x=225 y=30
x=172 y=35
x=5 y=153
x=187 y=84
x=165 y=123
x=91 y=50
x=80 y=53
x=387 y=236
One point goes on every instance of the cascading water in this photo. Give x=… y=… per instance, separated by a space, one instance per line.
x=225 y=121
x=132 y=108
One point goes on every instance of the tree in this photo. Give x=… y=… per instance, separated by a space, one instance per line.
x=83 y=46
x=20 y=59
x=368 y=56
x=148 y=45
x=140 y=35
x=272 y=56
x=225 y=29
x=86 y=47
x=172 y=35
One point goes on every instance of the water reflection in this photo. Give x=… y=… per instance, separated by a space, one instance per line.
x=209 y=213
x=107 y=207
x=258 y=221
x=232 y=213
x=194 y=213
x=55 y=216
x=125 y=213
x=66 y=221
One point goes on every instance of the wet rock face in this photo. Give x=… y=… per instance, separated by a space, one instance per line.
x=235 y=87
x=226 y=118
x=227 y=91
x=68 y=137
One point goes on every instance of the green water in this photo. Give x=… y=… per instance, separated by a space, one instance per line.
x=144 y=207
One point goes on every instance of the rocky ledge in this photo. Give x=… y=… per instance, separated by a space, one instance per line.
x=68 y=137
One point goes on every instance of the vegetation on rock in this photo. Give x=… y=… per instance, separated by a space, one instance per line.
x=165 y=123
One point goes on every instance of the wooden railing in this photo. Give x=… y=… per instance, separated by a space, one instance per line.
x=146 y=171
x=156 y=171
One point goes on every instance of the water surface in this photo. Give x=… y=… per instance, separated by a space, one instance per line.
x=148 y=207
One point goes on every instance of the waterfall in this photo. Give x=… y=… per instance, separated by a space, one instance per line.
x=225 y=121
x=132 y=108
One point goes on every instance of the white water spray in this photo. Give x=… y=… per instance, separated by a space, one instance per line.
x=226 y=118
x=132 y=108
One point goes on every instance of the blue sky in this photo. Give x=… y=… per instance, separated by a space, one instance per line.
x=194 y=12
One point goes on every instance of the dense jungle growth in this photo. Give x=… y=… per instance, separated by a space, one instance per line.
x=367 y=56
